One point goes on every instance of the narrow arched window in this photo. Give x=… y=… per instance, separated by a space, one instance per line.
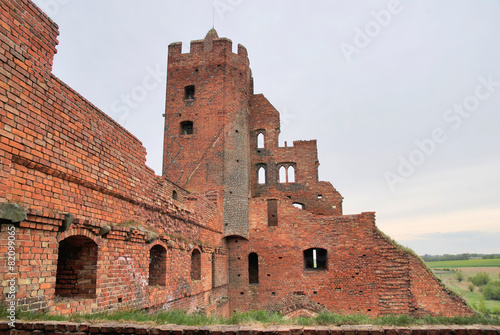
x=291 y=174
x=196 y=265
x=174 y=194
x=214 y=271
x=186 y=127
x=253 y=268
x=282 y=173
x=315 y=259
x=286 y=173
x=262 y=175
x=260 y=141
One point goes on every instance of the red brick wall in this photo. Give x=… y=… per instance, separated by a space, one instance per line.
x=77 y=267
x=318 y=197
x=365 y=272
x=60 y=155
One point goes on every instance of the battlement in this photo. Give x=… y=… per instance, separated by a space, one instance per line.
x=211 y=44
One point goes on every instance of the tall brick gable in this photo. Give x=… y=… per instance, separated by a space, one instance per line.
x=234 y=223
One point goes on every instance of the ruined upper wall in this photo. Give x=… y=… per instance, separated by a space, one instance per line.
x=301 y=183
x=30 y=36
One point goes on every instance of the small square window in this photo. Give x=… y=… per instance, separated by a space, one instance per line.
x=315 y=259
x=186 y=128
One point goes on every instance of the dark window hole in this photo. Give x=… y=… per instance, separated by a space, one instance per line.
x=189 y=92
x=186 y=128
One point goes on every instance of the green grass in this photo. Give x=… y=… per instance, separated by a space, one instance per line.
x=475 y=299
x=255 y=318
x=471 y=263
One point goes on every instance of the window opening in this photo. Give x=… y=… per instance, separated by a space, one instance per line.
x=76 y=268
x=262 y=175
x=214 y=271
x=189 y=92
x=196 y=265
x=253 y=268
x=287 y=173
x=174 y=194
x=260 y=141
x=315 y=259
x=157 y=265
x=298 y=205
x=282 y=174
x=186 y=128
x=291 y=174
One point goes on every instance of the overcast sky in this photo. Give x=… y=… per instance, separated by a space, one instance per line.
x=403 y=97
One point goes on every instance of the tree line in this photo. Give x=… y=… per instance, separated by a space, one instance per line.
x=458 y=257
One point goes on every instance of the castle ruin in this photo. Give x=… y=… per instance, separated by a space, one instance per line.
x=235 y=222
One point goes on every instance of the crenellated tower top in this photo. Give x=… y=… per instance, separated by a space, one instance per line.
x=212 y=44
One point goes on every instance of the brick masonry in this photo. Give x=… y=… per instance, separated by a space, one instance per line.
x=64 y=328
x=97 y=230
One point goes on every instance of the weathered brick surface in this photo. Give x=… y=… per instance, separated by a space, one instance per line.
x=366 y=273
x=64 y=328
x=60 y=155
x=103 y=232
x=215 y=156
x=318 y=197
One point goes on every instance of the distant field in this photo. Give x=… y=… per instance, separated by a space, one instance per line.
x=474 y=297
x=471 y=263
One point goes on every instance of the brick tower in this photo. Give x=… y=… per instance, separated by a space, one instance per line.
x=206 y=140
